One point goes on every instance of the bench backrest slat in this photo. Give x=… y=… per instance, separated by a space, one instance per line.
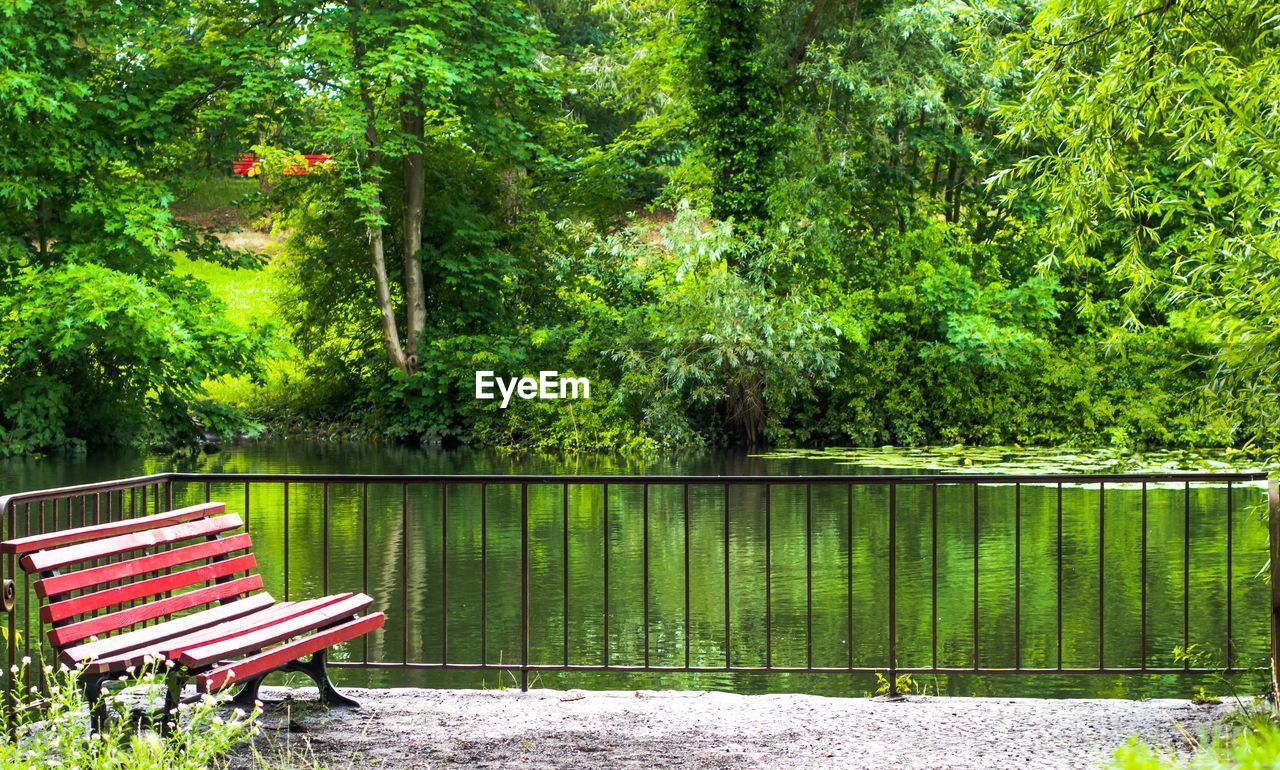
x=43 y=561
x=123 y=570
x=143 y=589
x=131 y=616
x=33 y=543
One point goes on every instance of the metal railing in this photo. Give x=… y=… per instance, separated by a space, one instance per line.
x=46 y=510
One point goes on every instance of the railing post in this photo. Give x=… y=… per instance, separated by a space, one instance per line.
x=893 y=590
x=1273 y=520
x=11 y=571
x=524 y=587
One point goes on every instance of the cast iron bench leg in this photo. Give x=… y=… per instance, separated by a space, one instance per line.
x=248 y=694
x=318 y=669
x=92 y=686
x=174 y=681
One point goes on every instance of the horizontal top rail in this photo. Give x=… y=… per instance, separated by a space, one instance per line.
x=499 y=478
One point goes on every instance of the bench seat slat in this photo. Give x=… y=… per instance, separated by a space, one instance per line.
x=142 y=589
x=94 y=576
x=230 y=630
x=116 y=621
x=209 y=633
x=166 y=629
x=252 y=641
x=265 y=662
x=32 y=543
x=98 y=549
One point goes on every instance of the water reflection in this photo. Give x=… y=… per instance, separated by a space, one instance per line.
x=807 y=570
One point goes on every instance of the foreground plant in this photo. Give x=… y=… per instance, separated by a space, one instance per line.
x=1249 y=738
x=53 y=730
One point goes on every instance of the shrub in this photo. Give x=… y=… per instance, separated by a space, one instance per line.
x=53 y=731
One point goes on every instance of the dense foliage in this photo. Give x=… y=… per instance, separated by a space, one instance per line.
x=99 y=341
x=895 y=221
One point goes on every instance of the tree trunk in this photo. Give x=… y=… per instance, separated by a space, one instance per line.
x=264 y=184
x=952 y=207
x=389 y=332
x=414 y=203
x=42 y=229
x=373 y=158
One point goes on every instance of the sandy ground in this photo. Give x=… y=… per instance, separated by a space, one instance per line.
x=403 y=728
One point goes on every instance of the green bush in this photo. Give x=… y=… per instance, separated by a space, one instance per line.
x=1253 y=745
x=91 y=354
x=54 y=731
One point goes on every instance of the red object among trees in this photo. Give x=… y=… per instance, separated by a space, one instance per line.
x=249 y=164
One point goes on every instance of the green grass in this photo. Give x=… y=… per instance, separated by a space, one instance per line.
x=1248 y=739
x=250 y=295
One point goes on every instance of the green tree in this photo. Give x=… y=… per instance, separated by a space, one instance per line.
x=100 y=342
x=733 y=92
x=1156 y=147
x=393 y=82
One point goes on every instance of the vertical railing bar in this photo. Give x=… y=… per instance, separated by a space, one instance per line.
x=976 y=543
x=933 y=575
x=168 y=494
x=324 y=539
x=1273 y=550
x=246 y=506
x=40 y=670
x=605 y=523
x=1230 y=582
x=687 y=614
x=768 y=576
x=11 y=685
x=808 y=571
x=644 y=523
x=484 y=573
x=893 y=589
x=444 y=574
x=1102 y=561
x=1143 y=633
x=364 y=554
x=26 y=595
x=564 y=546
x=208 y=491
x=404 y=568
x=524 y=587
x=1186 y=571
x=728 y=654
x=1017 y=575
x=286 y=541
x=1059 y=624
x=848 y=568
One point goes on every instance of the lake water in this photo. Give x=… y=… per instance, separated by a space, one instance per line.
x=846 y=562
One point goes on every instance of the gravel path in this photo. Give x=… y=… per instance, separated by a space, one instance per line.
x=404 y=729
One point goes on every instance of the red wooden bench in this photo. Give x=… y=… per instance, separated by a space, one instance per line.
x=180 y=586
x=248 y=164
